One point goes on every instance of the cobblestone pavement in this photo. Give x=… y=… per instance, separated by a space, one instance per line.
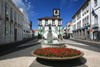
x=20 y=56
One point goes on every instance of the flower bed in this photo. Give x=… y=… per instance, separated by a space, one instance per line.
x=57 y=52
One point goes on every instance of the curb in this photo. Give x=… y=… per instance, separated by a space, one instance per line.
x=86 y=40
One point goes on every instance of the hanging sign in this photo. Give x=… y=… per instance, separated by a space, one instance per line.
x=90 y=30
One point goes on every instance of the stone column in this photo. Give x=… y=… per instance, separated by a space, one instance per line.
x=82 y=34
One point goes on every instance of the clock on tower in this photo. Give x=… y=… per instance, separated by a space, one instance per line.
x=56 y=13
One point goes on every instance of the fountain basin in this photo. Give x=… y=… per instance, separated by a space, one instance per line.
x=44 y=45
x=55 y=43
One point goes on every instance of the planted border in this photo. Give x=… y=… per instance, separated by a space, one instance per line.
x=57 y=52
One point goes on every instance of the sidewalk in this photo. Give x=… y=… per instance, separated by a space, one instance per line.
x=98 y=42
x=7 y=46
x=91 y=53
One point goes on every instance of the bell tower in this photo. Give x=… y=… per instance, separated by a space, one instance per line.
x=56 y=12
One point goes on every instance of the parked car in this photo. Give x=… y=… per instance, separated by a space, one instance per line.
x=66 y=37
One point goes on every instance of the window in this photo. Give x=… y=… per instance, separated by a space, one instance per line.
x=15 y=18
x=95 y=3
x=79 y=24
x=83 y=11
x=11 y=15
x=87 y=7
x=11 y=31
x=78 y=15
x=7 y=31
x=87 y=20
x=74 y=27
x=7 y=11
x=96 y=19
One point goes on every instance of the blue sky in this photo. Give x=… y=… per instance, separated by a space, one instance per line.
x=40 y=8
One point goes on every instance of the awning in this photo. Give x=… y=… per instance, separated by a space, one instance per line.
x=82 y=28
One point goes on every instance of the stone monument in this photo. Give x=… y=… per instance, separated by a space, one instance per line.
x=50 y=41
x=49 y=35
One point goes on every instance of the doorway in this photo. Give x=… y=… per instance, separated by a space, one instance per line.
x=15 y=34
x=88 y=35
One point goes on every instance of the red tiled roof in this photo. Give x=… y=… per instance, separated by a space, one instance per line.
x=35 y=30
x=80 y=7
x=49 y=18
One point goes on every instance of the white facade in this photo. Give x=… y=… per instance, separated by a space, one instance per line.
x=55 y=23
x=26 y=24
x=63 y=31
x=95 y=20
x=10 y=22
x=69 y=28
x=83 y=20
x=30 y=32
x=35 y=33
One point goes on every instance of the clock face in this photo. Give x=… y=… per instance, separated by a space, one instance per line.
x=56 y=12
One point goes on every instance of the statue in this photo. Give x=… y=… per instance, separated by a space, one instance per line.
x=49 y=35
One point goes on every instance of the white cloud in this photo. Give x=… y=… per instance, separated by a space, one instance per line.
x=68 y=3
x=25 y=0
x=33 y=13
x=26 y=5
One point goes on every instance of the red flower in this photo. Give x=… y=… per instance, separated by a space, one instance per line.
x=57 y=52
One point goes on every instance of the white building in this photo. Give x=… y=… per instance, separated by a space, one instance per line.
x=10 y=22
x=69 y=29
x=84 y=22
x=26 y=24
x=95 y=20
x=56 y=24
x=63 y=32
x=35 y=33
x=30 y=35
